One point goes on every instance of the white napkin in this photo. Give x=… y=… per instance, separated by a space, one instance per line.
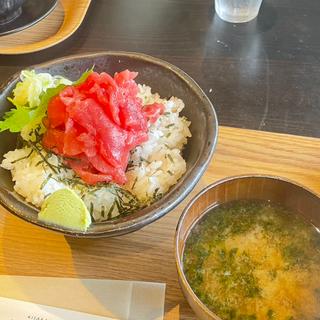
x=124 y=300
x=11 y=309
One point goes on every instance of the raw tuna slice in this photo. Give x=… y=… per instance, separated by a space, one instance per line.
x=97 y=124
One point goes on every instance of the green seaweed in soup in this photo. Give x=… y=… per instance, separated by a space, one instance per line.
x=254 y=260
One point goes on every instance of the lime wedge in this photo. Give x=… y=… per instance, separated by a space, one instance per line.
x=66 y=209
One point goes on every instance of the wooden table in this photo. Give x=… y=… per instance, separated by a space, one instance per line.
x=148 y=254
x=264 y=75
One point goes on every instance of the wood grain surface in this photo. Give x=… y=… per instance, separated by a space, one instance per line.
x=148 y=254
x=61 y=23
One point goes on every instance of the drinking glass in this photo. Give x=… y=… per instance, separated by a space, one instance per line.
x=237 y=11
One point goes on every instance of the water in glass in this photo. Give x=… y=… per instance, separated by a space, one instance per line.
x=237 y=11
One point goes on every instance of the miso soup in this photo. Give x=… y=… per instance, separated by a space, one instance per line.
x=252 y=260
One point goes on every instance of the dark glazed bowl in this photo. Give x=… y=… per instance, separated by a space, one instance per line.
x=164 y=78
x=10 y=10
x=257 y=187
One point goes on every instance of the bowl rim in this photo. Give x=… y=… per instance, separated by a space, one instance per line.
x=177 y=194
x=178 y=259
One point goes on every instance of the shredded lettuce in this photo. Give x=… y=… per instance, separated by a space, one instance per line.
x=30 y=98
x=32 y=85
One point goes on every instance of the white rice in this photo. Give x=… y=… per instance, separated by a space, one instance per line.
x=154 y=167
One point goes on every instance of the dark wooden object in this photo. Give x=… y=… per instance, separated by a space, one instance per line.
x=262 y=75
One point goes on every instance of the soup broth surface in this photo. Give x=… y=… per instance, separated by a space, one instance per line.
x=255 y=260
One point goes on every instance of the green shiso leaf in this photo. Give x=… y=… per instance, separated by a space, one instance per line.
x=15 y=119
x=83 y=77
x=35 y=120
